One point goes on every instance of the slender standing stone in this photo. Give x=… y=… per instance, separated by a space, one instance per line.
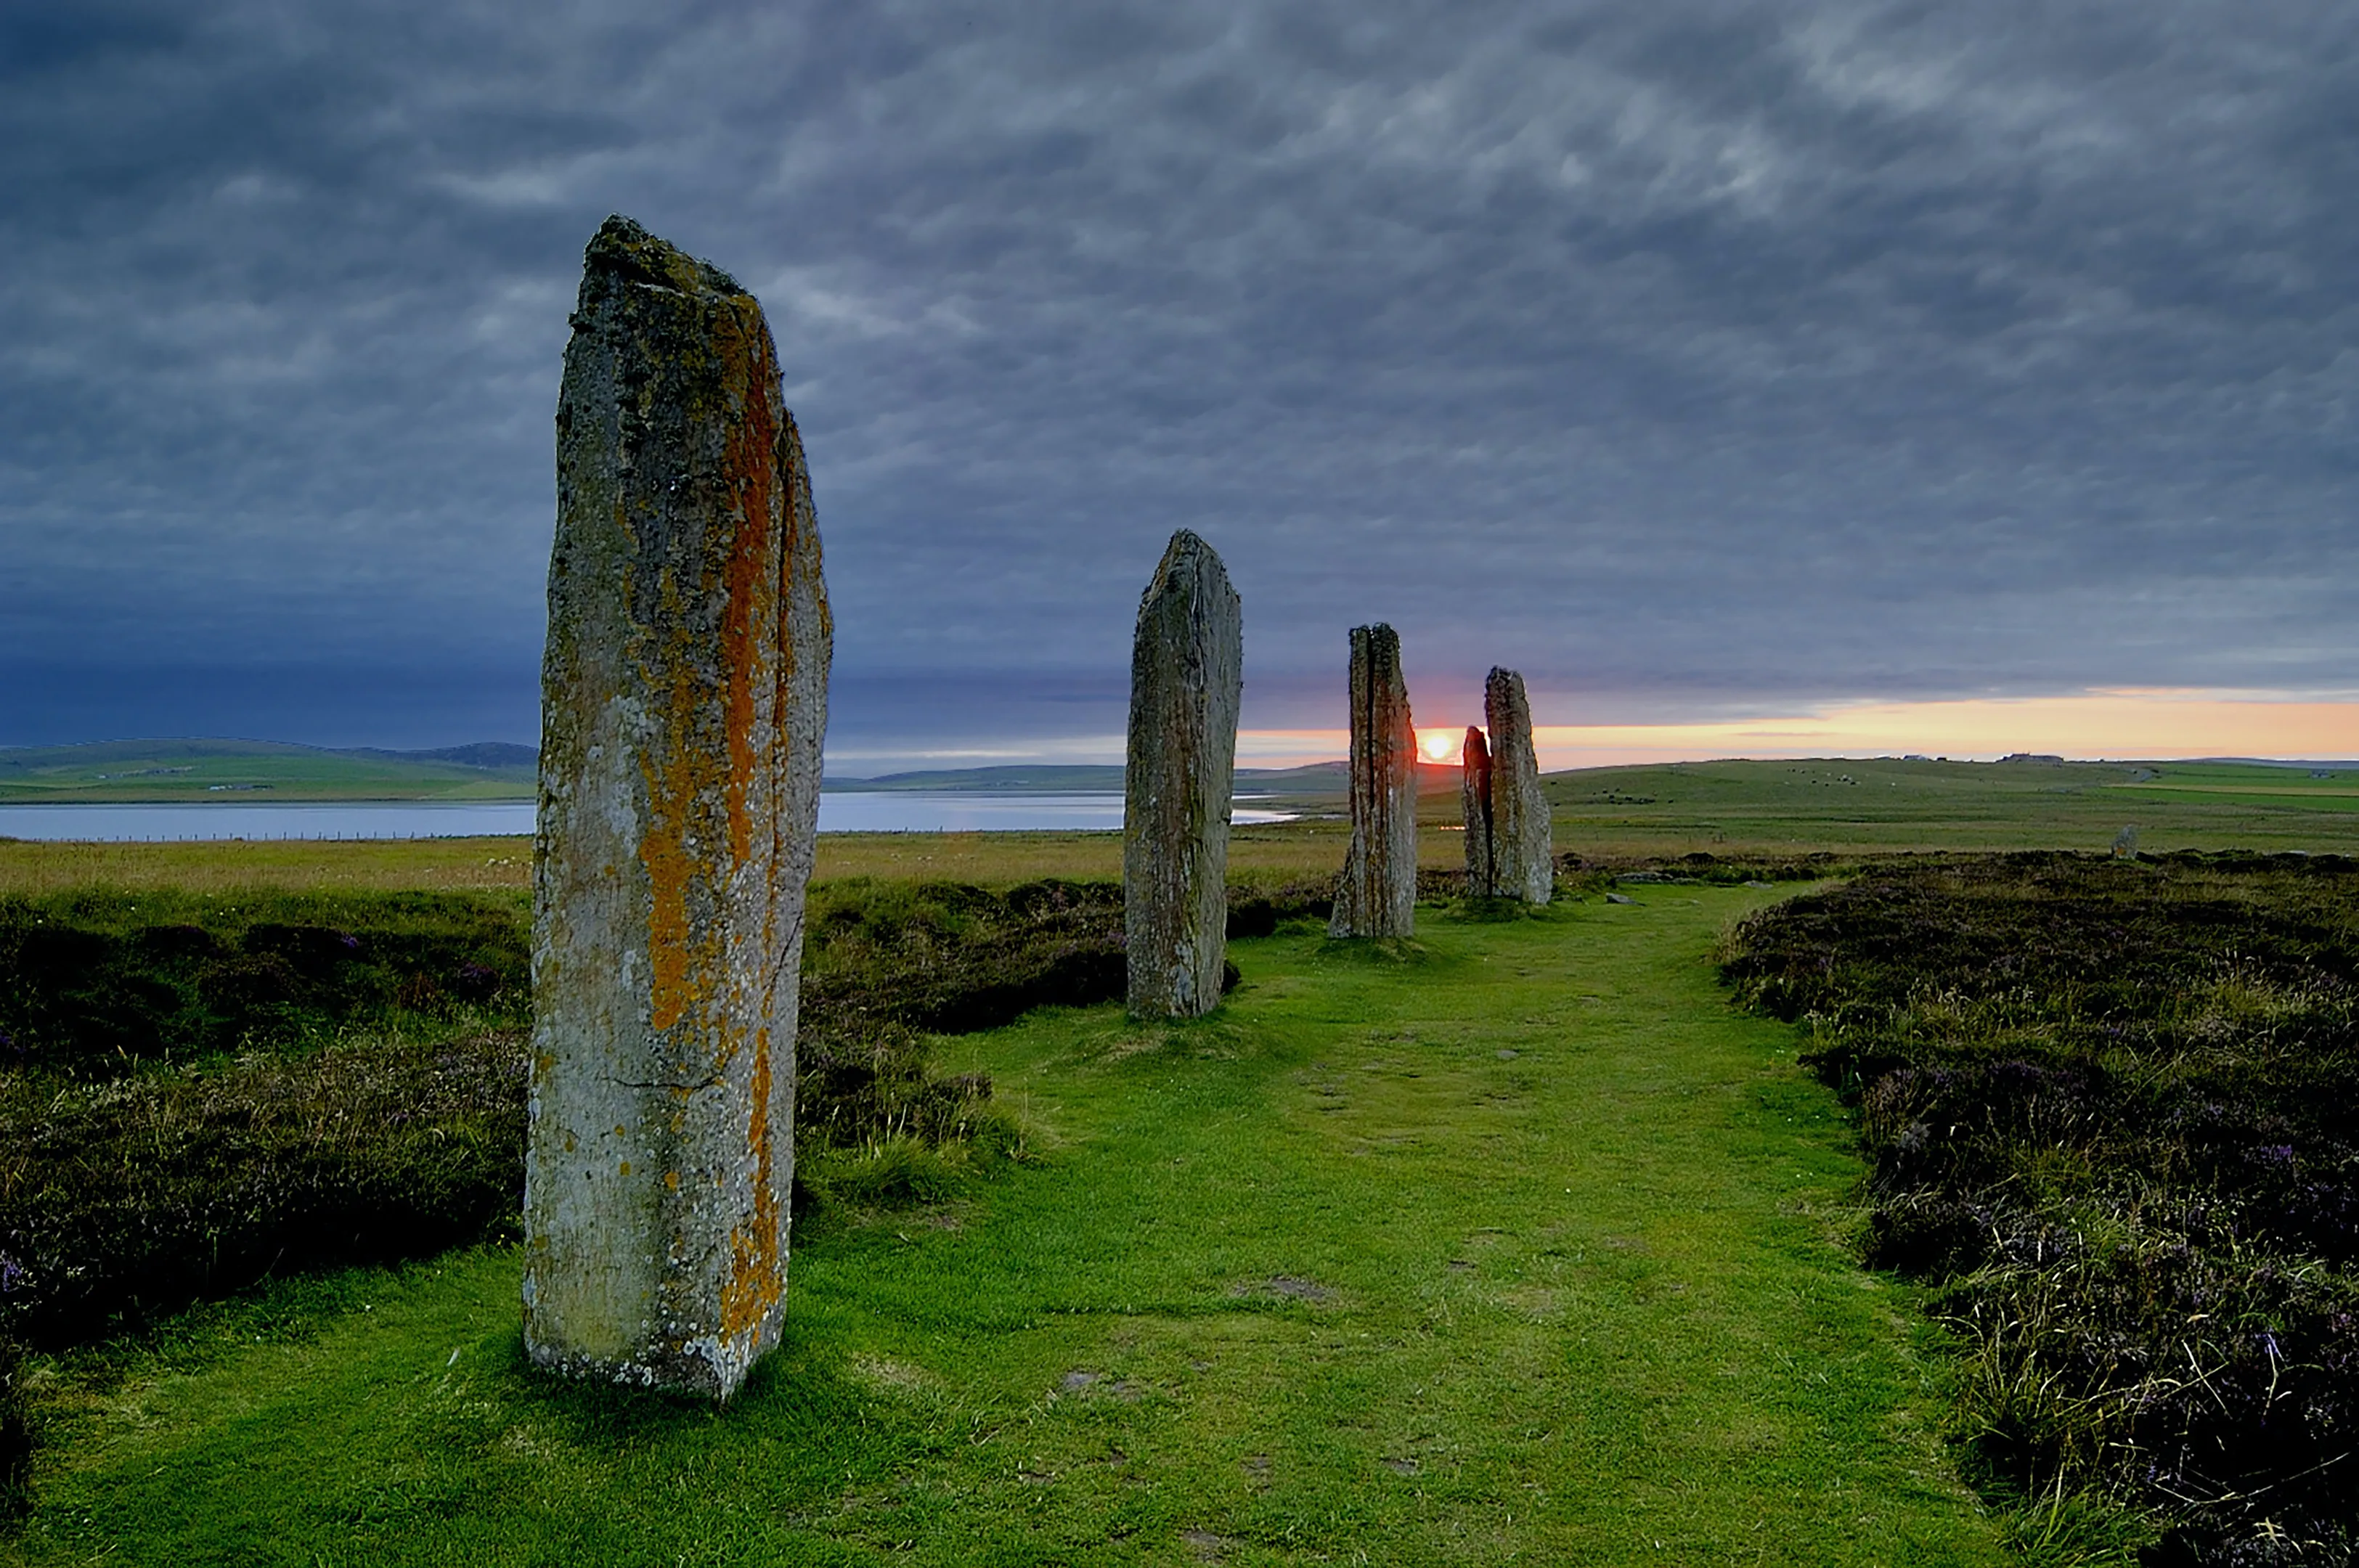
x=1378 y=896
x=1474 y=809
x=684 y=697
x=1187 y=664
x=1523 y=855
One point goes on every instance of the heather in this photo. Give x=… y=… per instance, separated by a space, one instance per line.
x=2110 y=1109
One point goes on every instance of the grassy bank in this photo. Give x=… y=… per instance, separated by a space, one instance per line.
x=1516 y=1245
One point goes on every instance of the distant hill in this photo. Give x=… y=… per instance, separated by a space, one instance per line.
x=1075 y=778
x=1313 y=779
x=491 y=755
x=193 y=769
x=202 y=769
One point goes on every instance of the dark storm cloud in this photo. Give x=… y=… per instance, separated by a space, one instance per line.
x=1694 y=358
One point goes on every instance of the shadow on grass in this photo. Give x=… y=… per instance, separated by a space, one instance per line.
x=789 y=1390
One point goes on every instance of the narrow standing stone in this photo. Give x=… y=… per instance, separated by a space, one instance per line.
x=1378 y=896
x=684 y=697
x=1523 y=853
x=1474 y=809
x=1187 y=663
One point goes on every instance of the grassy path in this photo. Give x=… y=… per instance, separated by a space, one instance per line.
x=1515 y=1248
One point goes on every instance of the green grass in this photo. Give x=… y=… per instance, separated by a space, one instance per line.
x=1516 y=1245
x=1881 y=806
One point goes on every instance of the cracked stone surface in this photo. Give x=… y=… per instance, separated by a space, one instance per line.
x=1377 y=894
x=1187 y=669
x=684 y=696
x=1522 y=849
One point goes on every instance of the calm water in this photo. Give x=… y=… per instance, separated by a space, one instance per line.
x=861 y=813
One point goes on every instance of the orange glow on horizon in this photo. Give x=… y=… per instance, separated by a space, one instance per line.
x=2147 y=724
x=1437 y=744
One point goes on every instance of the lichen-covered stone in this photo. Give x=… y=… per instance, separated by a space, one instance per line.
x=684 y=698
x=1377 y=894
x=1187 y=667
x=1475 y=810
x=1523 y=853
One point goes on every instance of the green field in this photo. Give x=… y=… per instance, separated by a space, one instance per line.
x=113 y=772
x=1882 y=805
x=1517 y=1245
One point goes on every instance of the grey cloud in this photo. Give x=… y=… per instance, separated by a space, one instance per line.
x=1785 y=353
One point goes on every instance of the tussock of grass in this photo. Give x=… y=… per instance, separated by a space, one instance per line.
x=902 y=1171
x=2113 y=1111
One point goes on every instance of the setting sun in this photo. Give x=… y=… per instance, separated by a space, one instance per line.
x=1437 y=744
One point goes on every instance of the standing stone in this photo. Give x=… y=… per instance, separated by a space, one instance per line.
x=1523 y=854
x=1187 y=664
x=684 y=697
x=1474 y=809
x=1378 y=896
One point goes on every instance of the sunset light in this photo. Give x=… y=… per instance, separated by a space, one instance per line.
x=2148 y=723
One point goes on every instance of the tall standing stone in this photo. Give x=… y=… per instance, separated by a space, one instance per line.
x=684 y=698
x=1523 y=854
x=1187 y=664
x=1377 y=895
x=1475 y=810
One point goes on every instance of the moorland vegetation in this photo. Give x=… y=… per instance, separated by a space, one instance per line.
x=2111 y=1111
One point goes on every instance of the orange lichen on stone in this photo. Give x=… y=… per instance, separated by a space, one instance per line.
x=678 y=770
x=754 y=1285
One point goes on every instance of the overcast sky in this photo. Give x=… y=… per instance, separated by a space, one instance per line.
x=1697 y=360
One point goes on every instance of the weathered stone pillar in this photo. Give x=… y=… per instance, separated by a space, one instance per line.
x=1377 y=895
x=1523 y=855
x=684 y=697
x=1187 y=664
x=1475 y=810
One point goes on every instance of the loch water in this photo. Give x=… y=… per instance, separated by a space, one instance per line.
x=847 y=812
